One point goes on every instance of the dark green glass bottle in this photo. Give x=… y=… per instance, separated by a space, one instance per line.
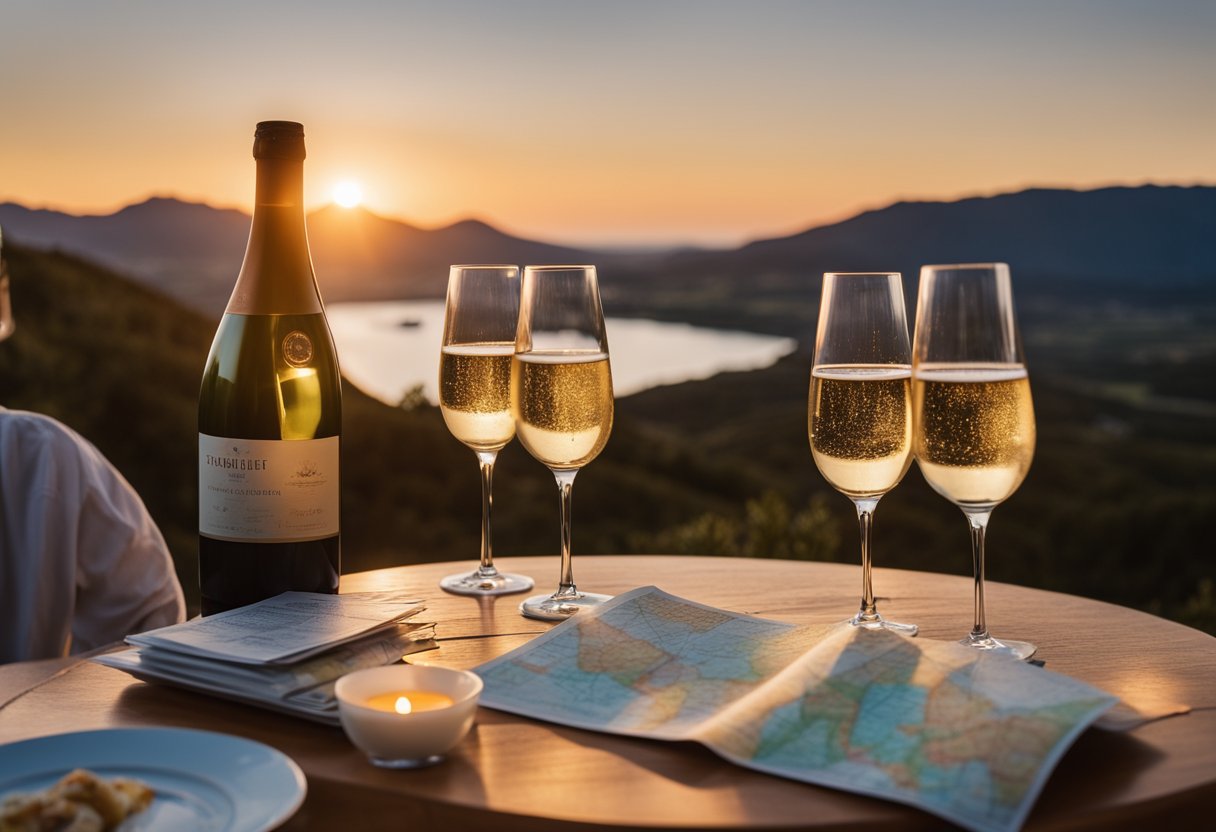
x=270 y=407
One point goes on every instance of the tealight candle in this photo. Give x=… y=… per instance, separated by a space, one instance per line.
x=406 y=716
x=409 y=701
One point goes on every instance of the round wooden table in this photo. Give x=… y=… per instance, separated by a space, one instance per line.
x=517 y=774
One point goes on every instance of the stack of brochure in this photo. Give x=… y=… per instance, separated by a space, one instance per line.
x=284 y=653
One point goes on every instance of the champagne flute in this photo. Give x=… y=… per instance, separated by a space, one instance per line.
x=561 y=391
x=975 y=431
x=475 y=395
x=859 y=414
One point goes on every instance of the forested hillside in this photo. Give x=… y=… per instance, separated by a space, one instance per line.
x=1120 y=503
x=121 y=364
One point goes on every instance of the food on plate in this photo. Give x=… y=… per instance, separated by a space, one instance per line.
x=80 y=802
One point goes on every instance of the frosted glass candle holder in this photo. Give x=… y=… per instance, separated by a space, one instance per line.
x=419 y=737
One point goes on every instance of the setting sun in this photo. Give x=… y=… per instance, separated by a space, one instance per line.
x=348 y=193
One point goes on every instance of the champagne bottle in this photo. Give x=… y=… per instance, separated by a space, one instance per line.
x=270 y=407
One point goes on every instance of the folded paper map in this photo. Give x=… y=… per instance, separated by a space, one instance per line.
x=966 y=735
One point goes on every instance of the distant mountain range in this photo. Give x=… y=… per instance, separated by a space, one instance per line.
x=193 y=252
x=1146 y=237
x=1121 y=234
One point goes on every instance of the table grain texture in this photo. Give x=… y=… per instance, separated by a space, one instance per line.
x=513 y=773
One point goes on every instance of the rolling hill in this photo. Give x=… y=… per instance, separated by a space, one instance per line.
x=121 y=364
x=1124 y=235
x=1145 y=245
x=1116 y=291
x=192 y=252
x=1148 y=243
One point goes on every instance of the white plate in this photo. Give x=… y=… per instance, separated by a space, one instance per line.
x=203 y=780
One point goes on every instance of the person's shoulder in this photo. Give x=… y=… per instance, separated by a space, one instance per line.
x=31 y=432
x=36 y=448
x=27 y=424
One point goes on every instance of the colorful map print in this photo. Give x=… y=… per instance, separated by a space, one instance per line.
x=968 y=736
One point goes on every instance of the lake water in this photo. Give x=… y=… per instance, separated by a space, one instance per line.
x=386 y=358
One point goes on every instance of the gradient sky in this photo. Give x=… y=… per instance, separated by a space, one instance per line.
x=606 y=122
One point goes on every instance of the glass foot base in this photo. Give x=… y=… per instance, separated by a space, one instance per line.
x=475 y=583
x=420 y=762
x=880 y=623
x=554 y=608
x=1018 y=649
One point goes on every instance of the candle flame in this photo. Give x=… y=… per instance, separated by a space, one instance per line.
x=403 y=705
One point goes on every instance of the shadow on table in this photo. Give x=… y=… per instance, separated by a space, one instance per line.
x=1100 y=767
x=738 y=791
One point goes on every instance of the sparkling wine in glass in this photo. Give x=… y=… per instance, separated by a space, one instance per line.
x=859 y=415
x=973 y=415
x=475 y=395
x=561 y=390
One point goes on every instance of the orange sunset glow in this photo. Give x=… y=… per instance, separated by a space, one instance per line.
x=609 y=123
x=311 y=313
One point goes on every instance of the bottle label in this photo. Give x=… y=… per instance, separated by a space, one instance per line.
x=267 y=490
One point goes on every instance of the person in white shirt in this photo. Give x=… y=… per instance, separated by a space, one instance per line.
x=82 y=563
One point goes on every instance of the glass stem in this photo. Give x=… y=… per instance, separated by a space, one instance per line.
x=865 y=519
x=565 y=487
x=487 y=458
x=978 y=521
